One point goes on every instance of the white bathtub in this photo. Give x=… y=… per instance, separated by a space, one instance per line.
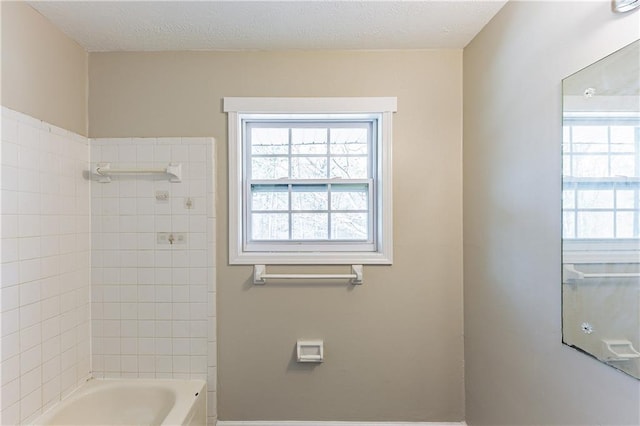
x=132 y=402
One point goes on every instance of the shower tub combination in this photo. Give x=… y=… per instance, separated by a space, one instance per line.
x=132 y=402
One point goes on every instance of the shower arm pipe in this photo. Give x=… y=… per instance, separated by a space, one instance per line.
x=571 y=274
x=104 y=170
x=260 y=275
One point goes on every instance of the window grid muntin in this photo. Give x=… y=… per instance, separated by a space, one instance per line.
x=371 y=123
x=609 y=182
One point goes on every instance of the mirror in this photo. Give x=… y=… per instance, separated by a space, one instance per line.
x=601 y=210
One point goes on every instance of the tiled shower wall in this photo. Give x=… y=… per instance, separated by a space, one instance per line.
x=45 y=257
x=153 y=303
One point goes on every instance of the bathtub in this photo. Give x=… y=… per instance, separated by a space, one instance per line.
x=131 y=402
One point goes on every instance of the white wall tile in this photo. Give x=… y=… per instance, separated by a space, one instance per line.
x=9 y=176
x=9 y=153
x=181 y=364
x=10 y=274
x=30 y=381
x=10 y=370
x=30 y=315
x=51 y=390
x=30 y=359
x=10 y=323
x=50 y=266
x=51 y=370
x=128 y=346
x=179 y=153
x=29 y=248
x=50 y=337
x=11 y=415
x=147 y=311
x=10 y=250
x=30 y=293
x=10 y=346
x=30 y=405
x=10 y=225
x=151 y=298
x=50 y=308
x=9 y=298
x=10 y=393
x=30 y=337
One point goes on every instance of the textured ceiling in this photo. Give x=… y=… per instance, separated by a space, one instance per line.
x=267 y=25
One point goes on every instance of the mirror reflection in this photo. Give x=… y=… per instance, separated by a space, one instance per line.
x=601 y=210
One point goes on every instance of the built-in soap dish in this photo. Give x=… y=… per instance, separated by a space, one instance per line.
x=619 y=350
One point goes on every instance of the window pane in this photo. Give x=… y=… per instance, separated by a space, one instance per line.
x=309 y=197
x=623 y=147
x=309 y=226
x=568 y=224
x=568 y=199
x=590 y=165
x=269 y=226
x=349 y=226
x=623 y=165
x=308 y=168
x=623 y=135
x=595 y=224
x=625 y=224
x=590 y=134
x=595 y=199
x=308 y=141
x=349 y=141
x=269 y=140
x=349 y=197
x=349 y=167
x=625 y=199
x=269 y=167
x=269 y=197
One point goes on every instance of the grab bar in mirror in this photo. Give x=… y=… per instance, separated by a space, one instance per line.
x=260 y=275
x=570 y=274
x=104 y=170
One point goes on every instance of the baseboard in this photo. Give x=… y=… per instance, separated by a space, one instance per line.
x=308 y=423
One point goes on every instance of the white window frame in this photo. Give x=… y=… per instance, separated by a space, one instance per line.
x=239 y=107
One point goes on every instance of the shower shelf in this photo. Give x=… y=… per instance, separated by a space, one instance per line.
x=104 y=172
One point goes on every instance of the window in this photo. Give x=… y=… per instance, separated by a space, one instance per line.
x=601 y=185
x=310 y=180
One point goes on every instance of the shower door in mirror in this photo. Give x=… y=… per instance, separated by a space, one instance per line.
x=601 y=210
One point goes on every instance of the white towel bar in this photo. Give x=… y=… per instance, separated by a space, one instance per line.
x=571 y=274
x=260 y=275
x=104 y=170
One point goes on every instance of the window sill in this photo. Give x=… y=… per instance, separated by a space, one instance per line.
x=311 y=258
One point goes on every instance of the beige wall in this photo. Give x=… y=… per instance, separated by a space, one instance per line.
x=517 y=371
x=44 y=72
x=394 y=345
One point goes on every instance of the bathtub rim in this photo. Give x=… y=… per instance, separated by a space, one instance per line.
x=187 y=393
